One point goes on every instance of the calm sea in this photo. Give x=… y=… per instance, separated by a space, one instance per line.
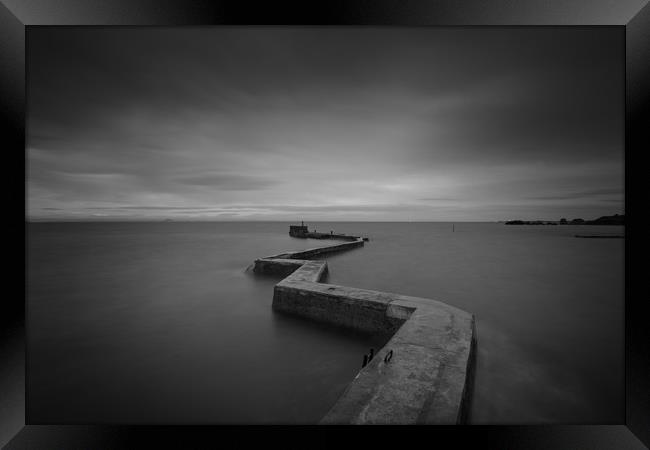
x=161 y=322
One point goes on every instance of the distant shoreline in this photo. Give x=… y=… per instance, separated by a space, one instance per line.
x=616 y=219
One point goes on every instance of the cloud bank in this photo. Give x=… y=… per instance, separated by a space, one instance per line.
x=325 y=123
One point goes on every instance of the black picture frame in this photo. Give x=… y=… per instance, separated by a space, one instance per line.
x=16 y=16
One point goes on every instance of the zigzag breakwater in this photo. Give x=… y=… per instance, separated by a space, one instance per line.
x=425 y=372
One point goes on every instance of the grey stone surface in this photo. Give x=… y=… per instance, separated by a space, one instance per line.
x=429 y=377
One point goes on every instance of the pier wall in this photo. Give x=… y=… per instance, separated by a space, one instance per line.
x=423 y=375
x=335 y=305
x=318 y=251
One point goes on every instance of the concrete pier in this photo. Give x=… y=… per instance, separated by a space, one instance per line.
x=302 y=231
x=423 y=375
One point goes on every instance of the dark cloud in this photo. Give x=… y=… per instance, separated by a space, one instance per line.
x=366 y=121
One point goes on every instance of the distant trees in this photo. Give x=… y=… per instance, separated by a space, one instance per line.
x=616 y=219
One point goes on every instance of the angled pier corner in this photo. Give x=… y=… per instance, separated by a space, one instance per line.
x=423 y=375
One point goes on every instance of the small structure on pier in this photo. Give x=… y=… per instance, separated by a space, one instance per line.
x=298 y=230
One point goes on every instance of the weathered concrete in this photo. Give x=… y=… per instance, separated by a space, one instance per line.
x=285 y=263
x=429 y=376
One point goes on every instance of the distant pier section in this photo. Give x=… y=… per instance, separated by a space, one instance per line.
x=425 y=372
x=302 y=231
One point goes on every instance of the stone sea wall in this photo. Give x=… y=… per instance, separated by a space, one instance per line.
x=423 y=375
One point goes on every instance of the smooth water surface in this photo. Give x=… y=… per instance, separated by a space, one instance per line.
x=161 y=323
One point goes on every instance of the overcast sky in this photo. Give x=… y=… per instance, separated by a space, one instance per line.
x=325 y=123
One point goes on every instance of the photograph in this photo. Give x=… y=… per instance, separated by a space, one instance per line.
x=325 y=225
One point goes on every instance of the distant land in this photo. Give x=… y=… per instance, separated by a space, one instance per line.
x=616 y=219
